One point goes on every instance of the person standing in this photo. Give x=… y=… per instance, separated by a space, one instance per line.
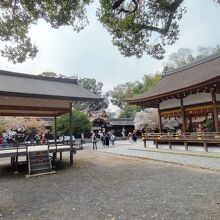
x=134 y=136
x=130 y=135
x=107 y=137
x=94 y=145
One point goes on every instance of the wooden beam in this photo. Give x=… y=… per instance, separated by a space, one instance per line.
x=183 y=114
x=55 y=131
x=159 y=121
x=215 y=112
x=71 y=133
x=27 y=114
x=33 y=108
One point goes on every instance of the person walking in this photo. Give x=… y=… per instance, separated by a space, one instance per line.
x=94 y=145
x=112 y=138
x=103 y=139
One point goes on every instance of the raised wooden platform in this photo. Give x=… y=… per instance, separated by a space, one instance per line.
x=185 y=138
x=22 y=151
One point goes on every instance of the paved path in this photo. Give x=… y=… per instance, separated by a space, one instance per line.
x=195 y=159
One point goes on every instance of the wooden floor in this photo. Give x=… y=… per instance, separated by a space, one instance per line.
x=10 y=152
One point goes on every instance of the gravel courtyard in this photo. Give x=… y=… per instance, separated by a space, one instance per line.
x=106 y=186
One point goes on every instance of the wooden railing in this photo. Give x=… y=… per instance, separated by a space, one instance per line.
x=186 y=138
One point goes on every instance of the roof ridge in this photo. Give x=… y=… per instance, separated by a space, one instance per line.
x=192 y=64
x=31 y=76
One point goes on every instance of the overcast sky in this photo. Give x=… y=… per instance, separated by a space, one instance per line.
x=91 y=54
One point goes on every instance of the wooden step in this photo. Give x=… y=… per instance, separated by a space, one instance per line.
x=40 y=170
x=39 y=166
x=36 y=161
x=34 y=154
x=39 y=162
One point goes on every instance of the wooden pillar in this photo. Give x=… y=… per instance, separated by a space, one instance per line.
x=183 y=114
x=55 y=131
x=215 y=112
x=55 y=138
x=159 y=120
x=71 y=134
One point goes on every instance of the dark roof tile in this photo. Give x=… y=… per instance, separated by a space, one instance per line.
x=39 y=86
x=192 y=74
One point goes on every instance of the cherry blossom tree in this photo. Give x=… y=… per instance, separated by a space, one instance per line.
x=146 y=120
x=26 y=127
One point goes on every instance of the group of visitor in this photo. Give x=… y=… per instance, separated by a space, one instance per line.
x=105 y=138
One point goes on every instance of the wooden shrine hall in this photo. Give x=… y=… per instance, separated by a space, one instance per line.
x=38 y=96
x=190 y=93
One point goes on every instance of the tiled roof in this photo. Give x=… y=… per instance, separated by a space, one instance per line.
x=24 y=85
x=121 y=121
x=194 y=74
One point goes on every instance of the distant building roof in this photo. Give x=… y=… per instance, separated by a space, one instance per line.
x=102 y=116
x=191 y=76
x=97 y=116
x=26 y=85
x=121 y=121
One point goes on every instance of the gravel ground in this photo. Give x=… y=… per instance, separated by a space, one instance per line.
x=111 y=187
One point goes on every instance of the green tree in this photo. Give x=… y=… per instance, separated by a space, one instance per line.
x=150 y=80
x=123 y=91
x=52 y=74
x=81 y=124
x=129 y=111
x=95 y=87
x=133 y=24
x=130 y=89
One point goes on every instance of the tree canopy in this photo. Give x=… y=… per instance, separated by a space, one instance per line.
x=130 y=89
x=52 y=74
x=186 y=55
x=136 y=27
x=81 y=124
x=95 y=87
x=129 y=111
